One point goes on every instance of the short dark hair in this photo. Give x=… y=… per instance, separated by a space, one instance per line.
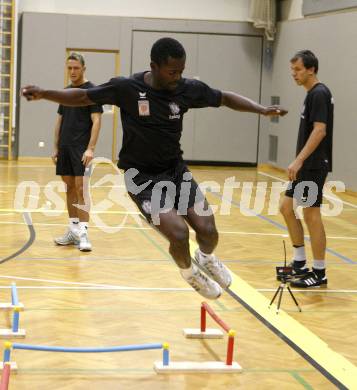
x=165 y=48
x=77 y=57
x=308 y=58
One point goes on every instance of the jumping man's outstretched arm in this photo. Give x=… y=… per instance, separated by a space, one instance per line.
x=241 y=103
x=67 y=97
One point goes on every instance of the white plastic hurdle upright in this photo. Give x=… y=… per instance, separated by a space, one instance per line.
x=15 y=306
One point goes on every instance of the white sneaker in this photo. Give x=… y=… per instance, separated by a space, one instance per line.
x=214 y=268
x=84 y=243
x=69 y=238
x=204 y=285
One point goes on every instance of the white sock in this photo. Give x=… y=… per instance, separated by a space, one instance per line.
x=205 y=255
x=319 y=264
x=299 y=254
x=188 y=272
x=73 y=224
x=83 y=227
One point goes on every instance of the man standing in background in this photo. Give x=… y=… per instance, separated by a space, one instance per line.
x=76 y=135
x=308 y=171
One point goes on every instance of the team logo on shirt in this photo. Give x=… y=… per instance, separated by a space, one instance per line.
x=143 y=105
x=175 y=110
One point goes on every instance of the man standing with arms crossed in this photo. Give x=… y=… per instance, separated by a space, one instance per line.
x=308 y=171
x=76 y=135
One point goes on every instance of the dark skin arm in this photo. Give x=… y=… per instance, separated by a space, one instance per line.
x=240 y=103
x=79 y=97
x=68 y=97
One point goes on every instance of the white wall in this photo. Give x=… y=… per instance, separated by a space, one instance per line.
x=224 y=10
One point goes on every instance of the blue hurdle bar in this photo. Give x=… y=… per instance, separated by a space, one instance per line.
x=138 y=347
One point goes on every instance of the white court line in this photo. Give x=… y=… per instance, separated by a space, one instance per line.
x=19 y=165
x=326 y=196
x=191 y=231
x=315 y=290
x=27 y=166
x=123 y=288
x=96 y=285
x=45 y=185
x=66 y=224
x=61 y=211
x=118 y=288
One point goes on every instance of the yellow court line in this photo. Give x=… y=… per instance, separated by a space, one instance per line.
x=315 y=348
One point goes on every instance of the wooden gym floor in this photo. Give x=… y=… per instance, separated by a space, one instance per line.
x=128 y=291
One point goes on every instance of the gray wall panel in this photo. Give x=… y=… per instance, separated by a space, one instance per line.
x=195 y=26
x=43 y=52
x=93 y=32
x=231 y=63
x=311 y=7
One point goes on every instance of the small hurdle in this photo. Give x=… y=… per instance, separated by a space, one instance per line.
x=8 y=346
x=204 y=333
x=15 y=306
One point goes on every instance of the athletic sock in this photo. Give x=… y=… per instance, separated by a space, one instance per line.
x=299 y=256
x=83 y=227
x=206 y=256
x=319 y=268
x=74 y=225
x=187 y=272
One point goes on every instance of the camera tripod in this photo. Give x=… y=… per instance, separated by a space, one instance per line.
x=284 y=276
x=280 y=290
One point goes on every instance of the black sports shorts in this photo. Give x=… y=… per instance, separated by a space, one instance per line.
x=69 y=161
x=308 y=188
x=171 y=189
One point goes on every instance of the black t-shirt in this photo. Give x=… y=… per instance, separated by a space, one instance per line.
x=318 y=107
x=152 y=119
x=76 y=122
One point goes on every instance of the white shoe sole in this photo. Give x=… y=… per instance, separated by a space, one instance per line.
x=85 y=249
x=65 y=244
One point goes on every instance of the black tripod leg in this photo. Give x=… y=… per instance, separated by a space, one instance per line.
x=280 y=296
x=276 y=293
x=294 y=299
